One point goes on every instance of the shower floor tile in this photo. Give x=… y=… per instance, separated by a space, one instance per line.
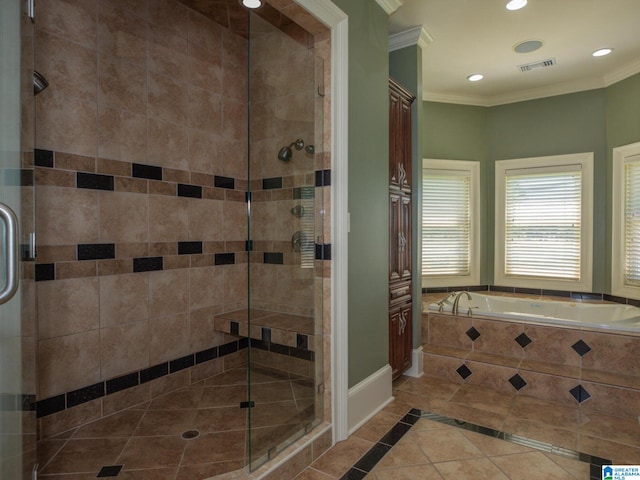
x=193 y=433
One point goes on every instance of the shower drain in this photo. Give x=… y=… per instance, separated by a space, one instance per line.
x=190 y=434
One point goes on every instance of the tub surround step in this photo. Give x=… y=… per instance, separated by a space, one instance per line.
x=296 y=331
x=505 y=361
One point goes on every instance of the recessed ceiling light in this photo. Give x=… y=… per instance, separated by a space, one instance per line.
x=252 y=3
x=475 y=77
x=602 y=52
x=528 y=46
x=516 y=4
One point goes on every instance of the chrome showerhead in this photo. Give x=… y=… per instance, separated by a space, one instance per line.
x=286 y=153
x=39 y=82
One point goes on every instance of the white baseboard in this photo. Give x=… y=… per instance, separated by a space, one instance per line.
x=417 y=363
x=369 y=397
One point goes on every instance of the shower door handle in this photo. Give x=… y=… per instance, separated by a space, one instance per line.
x=10 y=261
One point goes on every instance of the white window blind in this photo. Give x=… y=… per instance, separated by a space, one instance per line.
x=632 y=224
x=543 y=222
x=446 y=222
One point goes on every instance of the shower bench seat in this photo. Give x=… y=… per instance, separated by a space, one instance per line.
x=286 y=329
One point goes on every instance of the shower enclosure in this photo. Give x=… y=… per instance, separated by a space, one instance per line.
x=173 y=177
x=285 y=226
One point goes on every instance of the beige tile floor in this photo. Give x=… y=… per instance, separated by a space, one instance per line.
x=147 y=439
x=544 y=442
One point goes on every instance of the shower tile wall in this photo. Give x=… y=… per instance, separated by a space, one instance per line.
x=146 y=107
x=136 y=258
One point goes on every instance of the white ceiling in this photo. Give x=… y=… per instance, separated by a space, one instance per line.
x=478 y=36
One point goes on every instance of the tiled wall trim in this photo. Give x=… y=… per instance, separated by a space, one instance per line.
x=43 y=158
x=540 y=292
x=149 y=264
x=190 y=191
x=96 y=251
x=189 y=248
x=49 y=406
x=146 y=171
x=94 y=182
x=323 y=178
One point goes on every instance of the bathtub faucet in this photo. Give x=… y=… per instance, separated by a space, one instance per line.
x=457 y=301
x=442 y=302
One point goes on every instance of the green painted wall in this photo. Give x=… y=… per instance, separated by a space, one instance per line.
x=623 y=128
x=458 y=132
x=553 y=126
x=592 y=121
x=368 y=184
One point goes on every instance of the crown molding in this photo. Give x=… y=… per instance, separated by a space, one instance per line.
x=414 y=36
x=620 y=74
x=514 y=97
x=389 y=6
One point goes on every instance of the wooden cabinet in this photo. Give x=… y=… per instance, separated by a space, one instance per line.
x=400 y=339
x=400 y=299
x=400 y=137
x=399 y=237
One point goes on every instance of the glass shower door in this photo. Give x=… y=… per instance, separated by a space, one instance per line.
x=17 y=337
x=286 y=223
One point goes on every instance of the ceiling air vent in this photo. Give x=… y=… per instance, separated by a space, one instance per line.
x=550 y=62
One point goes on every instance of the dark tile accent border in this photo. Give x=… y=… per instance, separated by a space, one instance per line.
x=473 y=334
x=273 y=258
x=323 y=251
x=84 y=395
x=96 y=251
x=224 y=259
x=534 y=291
x=17 y=177
x=581 y=347
x=45 y=271
x=190 y=191
x=182 y=363
x=61 y=402
x=109 y=471
x=50 y=405
x=147 y=264
x=43 y=158
x=94 y=181
x=371 y=458
x=517 y=382
x=302 y=341
x=580 y=393
x=271 y=183
x=234 y=327
x=154 y=372
x=464 y=371
x=146 y=171
x=224 y=182
x=523 y=340
x=122 y=383
x=323 y=178
x=189 y=248
x=206 y=355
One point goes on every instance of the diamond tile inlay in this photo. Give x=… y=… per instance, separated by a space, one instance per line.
x=517 y=382
x=523 y=340
x=109 y=471
x=581 y=348
x=464 y=371
x=579 y=393
x=473 y=334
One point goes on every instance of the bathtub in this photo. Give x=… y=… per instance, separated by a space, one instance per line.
x=611 y=316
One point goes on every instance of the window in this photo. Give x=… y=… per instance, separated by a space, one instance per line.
x=450 y=223
x=544 y=212
x=625 y=271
